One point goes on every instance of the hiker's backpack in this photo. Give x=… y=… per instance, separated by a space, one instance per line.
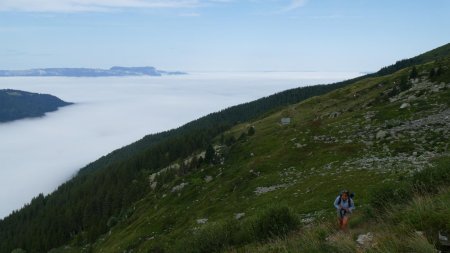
x=350 y=199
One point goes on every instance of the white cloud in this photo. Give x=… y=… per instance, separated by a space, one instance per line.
x=55 y=6
x=189 y=14
x=112 y=112
x=295 y=4
x=90 y=5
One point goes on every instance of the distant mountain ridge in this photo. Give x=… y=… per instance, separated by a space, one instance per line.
x=16 y=104
x=89 y=72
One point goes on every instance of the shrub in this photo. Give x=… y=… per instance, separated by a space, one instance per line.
x=395 y=241
x=275 y=221
x=424 y=213
x=210 y=238
x=251 y=131
x=270 y=223
x=382 y=196
x=431 y=179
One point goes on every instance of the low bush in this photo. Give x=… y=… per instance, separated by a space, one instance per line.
x=384 y=195
x=431 y=179
x=211 y=238
x=275 y=221
x=270 y=223
x=424 y=213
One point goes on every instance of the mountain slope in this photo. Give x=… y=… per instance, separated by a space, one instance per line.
x=373 y=132
x=114 y=193
x=15 y=104
x=87 y=72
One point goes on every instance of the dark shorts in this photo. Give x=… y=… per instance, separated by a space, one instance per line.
x=343 y=214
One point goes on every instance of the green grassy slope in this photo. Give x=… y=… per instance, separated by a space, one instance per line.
x=376 y=131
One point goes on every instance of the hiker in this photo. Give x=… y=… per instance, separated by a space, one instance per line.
x=344 y=206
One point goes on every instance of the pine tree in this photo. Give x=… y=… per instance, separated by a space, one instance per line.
x=414 y=73
x=432 y=73
x=439 y=71
x=404 y=84
x=251 y=131
x=242 y=137
x=210 y=154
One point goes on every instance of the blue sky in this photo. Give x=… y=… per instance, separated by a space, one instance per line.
x=220 y=35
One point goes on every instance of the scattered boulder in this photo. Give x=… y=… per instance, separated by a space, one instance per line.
x=334 y=115
x=307 y=220
x=262 y=190
x=405 y=105
x=202 y=221
x=208 y=179
x=381 y=134
x=420 y=233
x=239 y=216
x=152 y=177
x=299 y=145
x=365 y=239
x=411 y=98
x=179 y=187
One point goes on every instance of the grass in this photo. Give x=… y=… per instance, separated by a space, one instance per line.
x=408 y=227
x=311 y=158
x=270 y=223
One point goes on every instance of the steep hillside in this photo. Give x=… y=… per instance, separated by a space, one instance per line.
x=375 y=132
x=83 y=206
x=15 y=104
x=164 y=192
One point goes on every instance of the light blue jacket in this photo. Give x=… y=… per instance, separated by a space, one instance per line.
x=344 y=204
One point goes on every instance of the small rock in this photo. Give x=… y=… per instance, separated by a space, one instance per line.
x=179 y=187
x=307 y=220
x=202 y=221
x=364 y=239
x=208 y=179
x=334 y=115
x=299 y=145
x=238 y=216
x=420 y=233
x=262 y=190
x=412 y=97
x=405 y=105
x=381 y=134
x=152 y=177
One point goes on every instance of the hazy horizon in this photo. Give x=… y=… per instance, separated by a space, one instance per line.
x=210 y=35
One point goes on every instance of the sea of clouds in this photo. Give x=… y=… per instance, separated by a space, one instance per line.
x=37 y=155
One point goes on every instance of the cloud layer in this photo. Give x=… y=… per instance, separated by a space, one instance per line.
x=114 y=5
x=91 y=5
x=39 y=154
x=295 y=4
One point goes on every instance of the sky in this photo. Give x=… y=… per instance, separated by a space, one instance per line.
x=220 y=35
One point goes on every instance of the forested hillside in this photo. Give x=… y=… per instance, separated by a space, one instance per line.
x=15 y=104
x=118 y=193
